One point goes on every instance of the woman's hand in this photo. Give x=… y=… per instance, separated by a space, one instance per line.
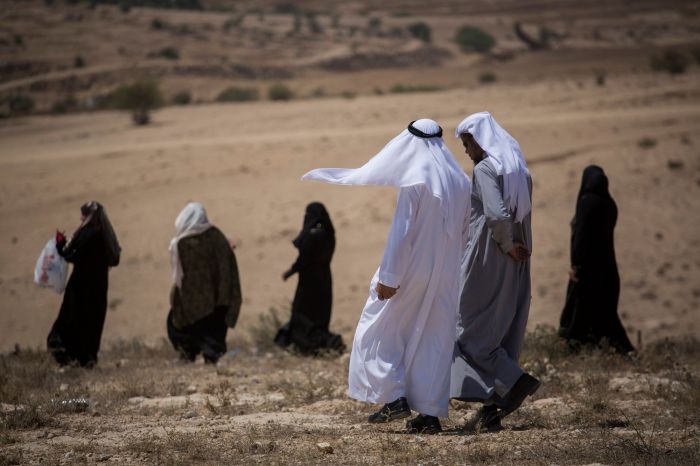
x=572 y=275
x=60 y=238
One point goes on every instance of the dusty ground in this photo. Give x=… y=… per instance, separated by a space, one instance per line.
x=243 y=161
x=270 y=407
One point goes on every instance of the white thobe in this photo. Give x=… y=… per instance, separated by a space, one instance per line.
x=403 y=346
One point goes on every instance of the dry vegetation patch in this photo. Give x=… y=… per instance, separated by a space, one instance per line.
x=263 y=405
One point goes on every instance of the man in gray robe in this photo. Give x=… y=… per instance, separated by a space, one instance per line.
x=495 y=298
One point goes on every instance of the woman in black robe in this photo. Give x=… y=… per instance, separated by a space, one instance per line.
x=75 y=336
x=307 y=328
x=590 y=313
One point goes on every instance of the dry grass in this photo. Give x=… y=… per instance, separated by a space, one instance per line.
x=273 y=407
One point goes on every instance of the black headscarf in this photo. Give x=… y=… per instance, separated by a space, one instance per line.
x=593 y=181
x=96 y=218
x=316 y=216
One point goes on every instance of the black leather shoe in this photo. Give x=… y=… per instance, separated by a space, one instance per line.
x=488 y=419
x=391 y=411
x=525 y=386
x=423 y=424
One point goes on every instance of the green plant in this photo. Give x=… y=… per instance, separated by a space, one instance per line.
x=487 y=77
x=671 y=61
x=420 y=31
x=280 y=91
x=20 y=104
x=238 y=94
x=169 y=53
x=404 y=89
x=64 y=105
x=473 y=39
x=182 y=98
x=140 y=97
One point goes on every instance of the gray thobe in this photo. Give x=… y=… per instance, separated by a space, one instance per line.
x=495 y=298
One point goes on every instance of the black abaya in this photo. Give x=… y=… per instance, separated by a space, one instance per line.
x=75 y=336
x=590 y=312
x=307 y=328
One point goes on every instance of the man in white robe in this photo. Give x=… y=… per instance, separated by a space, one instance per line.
x=495 y=297
x=404 y=341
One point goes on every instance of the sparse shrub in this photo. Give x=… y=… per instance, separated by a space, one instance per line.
x=48 y=2
x=473 y=39
x=318 y=92
x=404 y=89
x=287 y=8
x=19 y=39
x=314 y=25
x=695 y=53
x=280 y=91
x=264 y=331
x=64 y=105
x=169 y=53
x=19 y=104
x=79 y=62
x=600 y=77
x=646 y=143
x=238 y=94
x=335 y=20
x=140 y=98
x=125 y=6
x=374 y=23
x=182 y=98
x=158 y=24
x=296 y=27
x=348 y=95
x=671 y=61
x=487 y=77
x=420 y=31
x=233 y=22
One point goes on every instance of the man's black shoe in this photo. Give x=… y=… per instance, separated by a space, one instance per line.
x=525 y=386
x=488 y=419
x=391 y=411
x=423 y=424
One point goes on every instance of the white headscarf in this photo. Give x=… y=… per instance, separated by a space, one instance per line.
x=504 y=151
x=418 y=155
x=191 y=221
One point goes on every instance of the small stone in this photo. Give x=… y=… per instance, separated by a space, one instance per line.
x=69 y=455
x=63 y=387
x=419 y=439
x=103 y=457
x=95 y=414
x=41 y=435
x=191 y=389
x=50 y=435
x=190 y=414
x=325 y=447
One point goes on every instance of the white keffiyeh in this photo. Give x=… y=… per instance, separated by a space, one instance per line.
x=504 y=151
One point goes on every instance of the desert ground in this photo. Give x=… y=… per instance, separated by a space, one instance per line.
x=244 y=161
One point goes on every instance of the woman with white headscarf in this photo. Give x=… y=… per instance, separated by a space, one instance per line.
x=206 y=295
x=403 y=344
x=93 y=250
x=495 y=299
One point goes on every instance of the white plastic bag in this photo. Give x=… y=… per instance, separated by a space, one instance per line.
x=51 y=269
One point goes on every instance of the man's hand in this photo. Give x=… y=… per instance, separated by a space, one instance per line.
x=287 y=274
x=385 y=292
x=519 y=253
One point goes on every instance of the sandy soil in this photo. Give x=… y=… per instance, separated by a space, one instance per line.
x=244 y=162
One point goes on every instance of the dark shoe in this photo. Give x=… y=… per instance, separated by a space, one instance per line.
x=423 y=424
x=487 y=419
x=391 y=411
x=525 y=386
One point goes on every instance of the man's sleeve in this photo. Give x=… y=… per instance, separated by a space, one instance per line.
x=398 y=245
x=498 y=219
